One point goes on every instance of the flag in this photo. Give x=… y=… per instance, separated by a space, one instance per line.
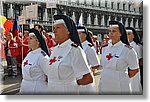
x=6 y=24
x=16 y=28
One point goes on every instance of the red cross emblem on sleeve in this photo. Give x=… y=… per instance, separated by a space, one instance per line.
x=25 y=63
x=109 y=56
x=52 y=60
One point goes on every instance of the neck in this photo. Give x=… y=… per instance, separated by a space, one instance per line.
x=62 y=41
x=35 y=48
x=114 y=42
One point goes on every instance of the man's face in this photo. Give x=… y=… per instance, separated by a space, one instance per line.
x=61 y=33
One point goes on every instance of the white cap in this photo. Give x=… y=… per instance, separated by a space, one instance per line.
x=129 y=31
x=116 y=25
x=59 y=21
x=31 y=34
x=81 y=30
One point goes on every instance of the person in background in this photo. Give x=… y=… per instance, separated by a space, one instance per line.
x=11 y=55
x=33 y=71
x=135 y=43
x=39 y=27
x=25 y=44
x=116 y=58
x=105 y=40
x=50 y=43
x=68 y=67
x=92 y=58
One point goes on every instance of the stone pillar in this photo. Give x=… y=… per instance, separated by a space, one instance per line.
x=11 y=11
x=55 y=12
x=126 y=23
x=96 y=20
x=137 y=24
x=45 y=15
x=73 y=17
x=115 y=18
x=121 y=20
x=131 y=24
x=89 y=20
x=109 y=19
x=102 y=21
x=81 y=22
x=65 y=13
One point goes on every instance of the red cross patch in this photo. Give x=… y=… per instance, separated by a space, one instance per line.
x=109 y=56
x=25 y=63
x=52 y=60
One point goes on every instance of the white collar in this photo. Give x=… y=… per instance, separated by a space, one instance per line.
x=36 y=50
x=85 y=42
x=117 y=44
x=67 y=42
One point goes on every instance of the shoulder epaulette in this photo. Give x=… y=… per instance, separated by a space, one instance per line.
x=43 y=53
x=128 y=46
x=55 y=44
x=74 y=45
x=90 y=45
x=105 y=45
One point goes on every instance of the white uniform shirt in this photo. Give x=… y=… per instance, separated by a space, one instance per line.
x=135 y=81
x=93 y=60
x=67 y=64
x=137 y=48
x=115 y=61
x=33 y=73
x=91 y=55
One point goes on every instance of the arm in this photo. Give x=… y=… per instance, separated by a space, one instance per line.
x=132 y=73
x=86 y=79
x=80 y=66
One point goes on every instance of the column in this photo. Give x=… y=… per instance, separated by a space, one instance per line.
x=65 y=13
x=121 y=20
x=131 y=24
x=1 y=7
x=89 y=20
x=45 y=15
x=81 y=22
x=137 y=24
x=102 y=3
x=96 y=2
x=109 y=19
x=10 y=11
x=126 y=23
x=102 y=21
x=55 y=12
x=73 y=17
x=115 y=18
x=96 y=20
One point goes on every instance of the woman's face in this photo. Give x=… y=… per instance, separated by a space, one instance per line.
x=33 y=42
x=130 y=36
x=114 y=34
x=82 y=36
x=61 y=33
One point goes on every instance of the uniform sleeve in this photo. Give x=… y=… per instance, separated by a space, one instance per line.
x=44 y=63
x=79 y=63
x=132 y=59
x=140 y=51
x=92 y=57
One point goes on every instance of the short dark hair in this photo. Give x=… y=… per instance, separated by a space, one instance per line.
x=39 y=26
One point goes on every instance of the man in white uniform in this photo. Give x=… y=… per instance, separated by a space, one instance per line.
x=135 y=43
x=91 y=56
x=68 y=67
